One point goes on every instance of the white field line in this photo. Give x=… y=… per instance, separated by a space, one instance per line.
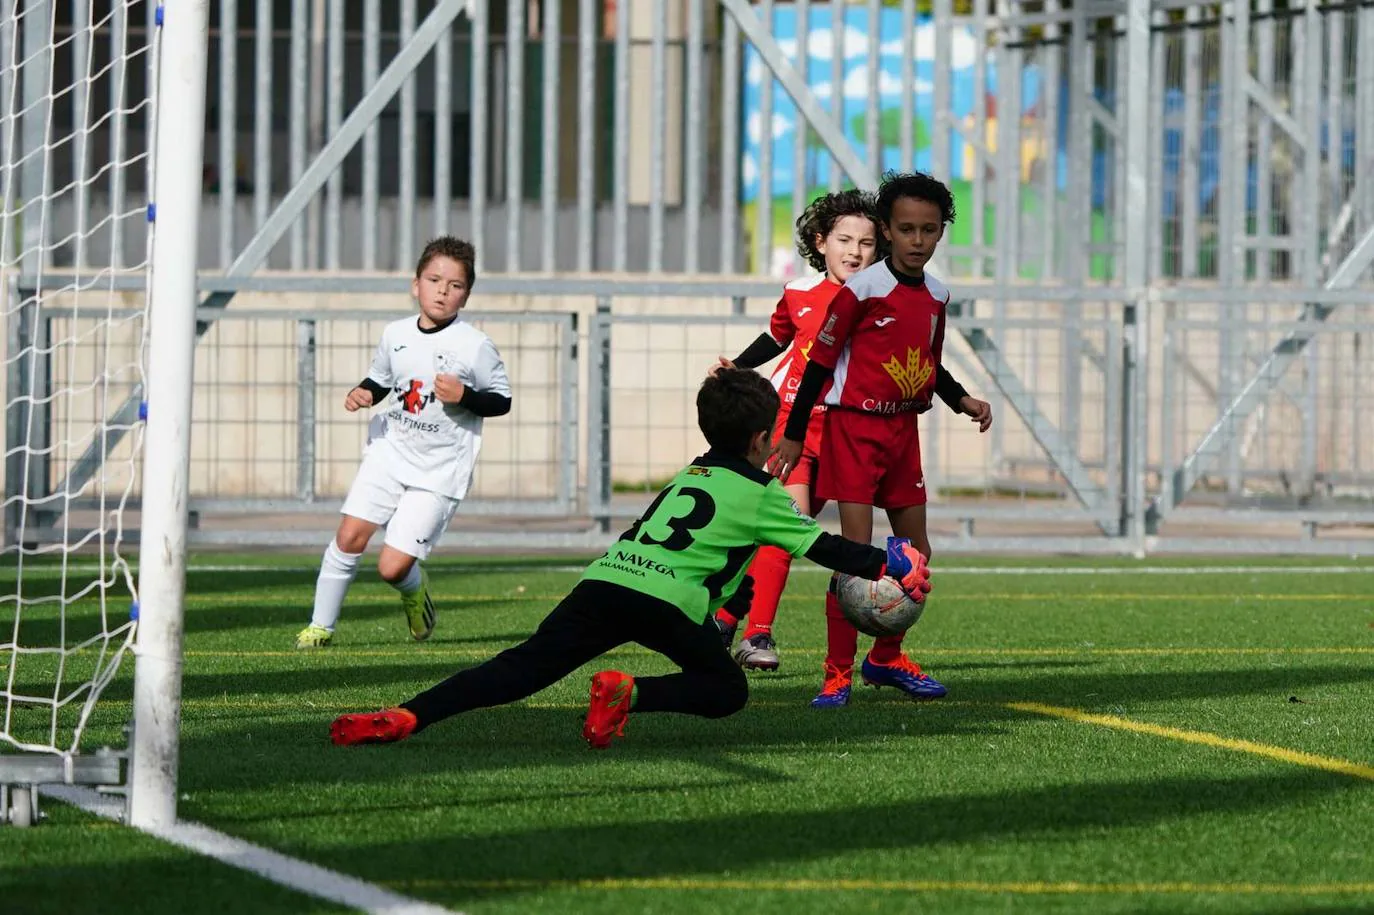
x=270 y=865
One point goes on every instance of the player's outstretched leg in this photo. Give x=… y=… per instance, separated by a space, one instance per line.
x=758 y=650
x=608 y=708
x=386 y=726
x=888 y=665
x=337 y=571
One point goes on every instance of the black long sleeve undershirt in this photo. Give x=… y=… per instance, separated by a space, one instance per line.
x=947 y=389
x=762 y=350
x=808 y=392
x=377 y=391
x=848 y=556
x=484 y=403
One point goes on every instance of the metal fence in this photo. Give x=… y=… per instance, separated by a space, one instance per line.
x=605 y=379
x=686 y=135
x=1163 y=250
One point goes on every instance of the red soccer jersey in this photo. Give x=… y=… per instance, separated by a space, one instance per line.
x=795 y=321
x=883 y=337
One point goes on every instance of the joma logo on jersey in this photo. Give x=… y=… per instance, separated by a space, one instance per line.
x=643 y=563
x=912 y=376
x=412 y=398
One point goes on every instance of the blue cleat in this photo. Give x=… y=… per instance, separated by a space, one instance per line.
x=904 y=674
x=835 y=692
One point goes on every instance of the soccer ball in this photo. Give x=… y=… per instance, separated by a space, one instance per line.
x=879 y=607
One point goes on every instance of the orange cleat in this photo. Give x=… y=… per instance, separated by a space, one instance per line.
x=612 y=692
x=387 y=726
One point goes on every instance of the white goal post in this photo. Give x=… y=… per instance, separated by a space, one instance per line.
x=101 y=154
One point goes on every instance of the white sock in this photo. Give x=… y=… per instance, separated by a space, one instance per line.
x=411 y=583
x=337 y=570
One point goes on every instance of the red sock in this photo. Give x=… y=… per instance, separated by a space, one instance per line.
x=769 y=570
x=841 y=638
x=887 y=649
x=726 y=617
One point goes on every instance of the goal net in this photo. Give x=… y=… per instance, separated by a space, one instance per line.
x=78 y=102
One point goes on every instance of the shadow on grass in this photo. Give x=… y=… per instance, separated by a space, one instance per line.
x=465 y=866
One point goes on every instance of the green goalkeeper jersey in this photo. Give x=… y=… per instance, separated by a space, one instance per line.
x=692 y=545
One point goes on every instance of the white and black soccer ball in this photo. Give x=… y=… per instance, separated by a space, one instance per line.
x=877 y=608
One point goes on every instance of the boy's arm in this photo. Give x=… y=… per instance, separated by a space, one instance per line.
x=491 y=394
x=848 y=556
x=782 y=525
x=377 y=382
x=763 y=349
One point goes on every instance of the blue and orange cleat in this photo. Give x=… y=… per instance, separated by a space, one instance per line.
x=835 y=691
x=904 y=674
x=609 y=707
x=387 y=726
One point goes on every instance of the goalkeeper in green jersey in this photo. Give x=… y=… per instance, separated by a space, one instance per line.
x=658 y=584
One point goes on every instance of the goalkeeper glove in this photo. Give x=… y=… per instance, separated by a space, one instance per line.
x=907 y=566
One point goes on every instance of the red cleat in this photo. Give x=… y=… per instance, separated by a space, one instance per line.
x=387 y=726
x=609 y=707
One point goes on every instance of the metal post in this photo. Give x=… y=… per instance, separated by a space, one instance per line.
x=297 y=132
x=171 y=350
x=729 y=144
x=620 y=173
x=333 y=194
x=1138 y=135
x=568 y=404
x=478 y=128
x=696 y=96
x=442 y=200
x=305 y=410
x=550 y=138
x=599 y=415
x=515 y=129
x=228 y=129
x=586 y=134
x=658 y=129
x=405 y=192
x=907 y=122
x=763 y=214
x=262 y=113
x=372 y=44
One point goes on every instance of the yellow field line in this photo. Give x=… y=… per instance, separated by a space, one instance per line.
x=434 y=651
x=800 y=885
x=1296 y=757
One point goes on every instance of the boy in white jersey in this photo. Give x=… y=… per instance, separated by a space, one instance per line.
x=447 y=377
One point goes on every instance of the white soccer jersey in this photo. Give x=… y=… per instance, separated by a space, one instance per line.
x=437 y=442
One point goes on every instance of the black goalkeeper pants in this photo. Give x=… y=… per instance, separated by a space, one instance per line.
x=594 y=618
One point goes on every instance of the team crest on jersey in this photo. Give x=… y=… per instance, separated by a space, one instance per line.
x=413 y=398
x=445 y=363
x=912 y=375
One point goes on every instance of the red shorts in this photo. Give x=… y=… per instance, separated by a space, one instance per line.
x=804 y=474
x=871 y=459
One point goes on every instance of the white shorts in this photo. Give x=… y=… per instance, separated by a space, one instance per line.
x=415 y=519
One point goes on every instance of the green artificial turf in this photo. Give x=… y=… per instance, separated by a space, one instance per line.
x=1210 y=774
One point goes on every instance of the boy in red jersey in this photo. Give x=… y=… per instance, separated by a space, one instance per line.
x=838 y=236
x=876 y=364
